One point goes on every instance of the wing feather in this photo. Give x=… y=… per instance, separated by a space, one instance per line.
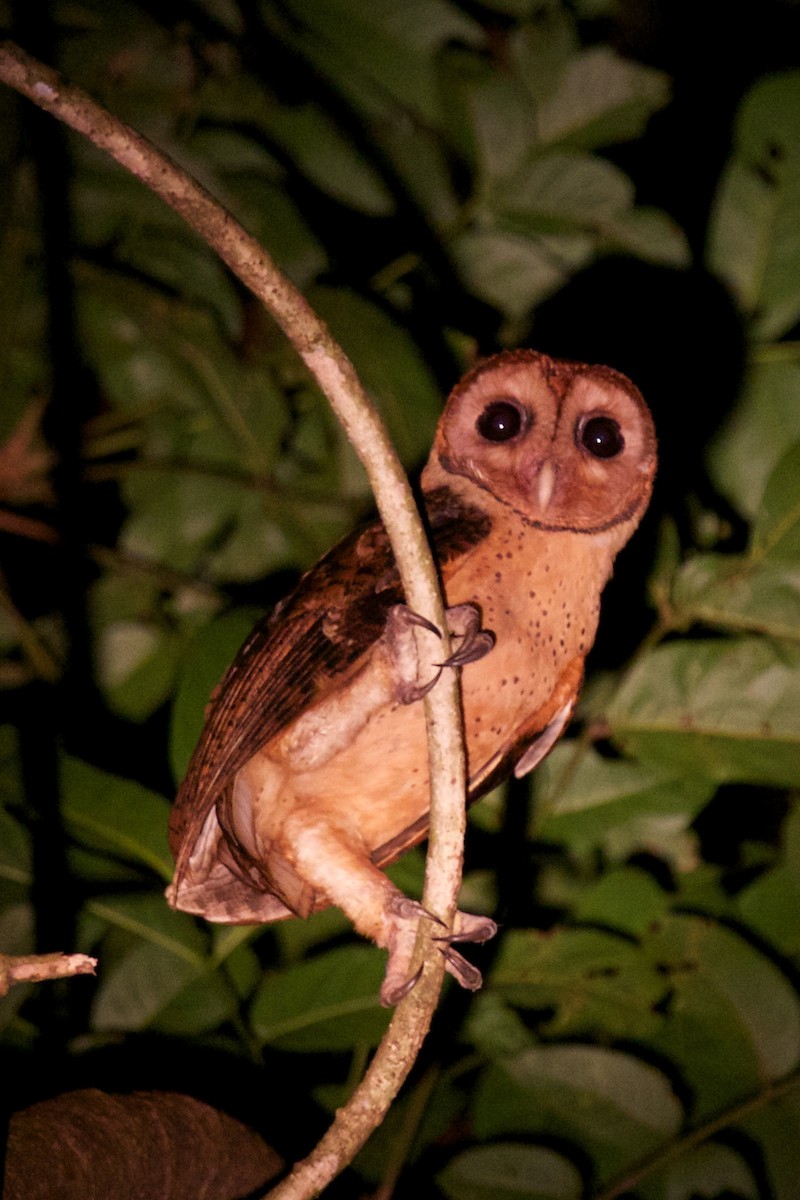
x=306 y=648
x=291 y=659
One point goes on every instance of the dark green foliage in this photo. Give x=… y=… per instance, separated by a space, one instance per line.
x=441 y=179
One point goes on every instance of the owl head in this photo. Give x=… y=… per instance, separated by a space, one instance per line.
x=566 y=446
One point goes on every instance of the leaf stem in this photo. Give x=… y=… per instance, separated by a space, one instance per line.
x=402 y=1144
x=776 y=352
x=662 y=1158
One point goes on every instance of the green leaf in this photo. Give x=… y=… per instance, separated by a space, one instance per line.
x=422 y=162
x=391 y=367
x=592 y=980
x=109 y=203
x=601 y=99
x=622 y=806
x=164 y=978
x=211 y=999
x=137 y=369
x=515 y=272
x=509 y=1171
x=729 y=709
x=736 y=592
x=394 y=48
x=710 y=1170
x=148 y=917
x=760 y=590
x=552 y=216
x=329 y=159
x=184 y=264
x=565 y=193
x=296 y=938
x=753 y=242
x=776 y=534
x=770 y=905
x=136 y=662
x=608 y=1103
x=648 y=234
x=330 y=1002
x=15 y=852
x=149 y=984
x=774 y=1129
x=177 y=516
x=502 y=116
x=625 y=899
x=116 y=815
x=790 y=840
x=167 y=363
x=763 y=426
x=543 y=48
x=494 y=1028
x=210 y=654
x=512 y=8
x=256 y=545
x=733 y=1021
x=272 y=217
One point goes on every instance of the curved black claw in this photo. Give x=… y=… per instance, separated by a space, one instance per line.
x=474 y=646
x=403 y=906
x=481 y=931
x=390 y=998
x=415 y=618
x=468 y=976
x=410 y=693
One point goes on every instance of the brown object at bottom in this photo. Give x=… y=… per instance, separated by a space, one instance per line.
x=91 y=1145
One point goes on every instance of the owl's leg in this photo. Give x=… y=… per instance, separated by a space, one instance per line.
x=396 y=671
x=332 y=861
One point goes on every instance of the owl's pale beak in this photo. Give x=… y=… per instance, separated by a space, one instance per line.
x=546 y=484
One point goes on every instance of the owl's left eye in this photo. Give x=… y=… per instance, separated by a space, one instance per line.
x=601 y=436
x=500 y=421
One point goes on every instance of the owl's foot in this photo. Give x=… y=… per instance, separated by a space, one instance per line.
x=403 y=916
x=402 y=919
x=464 y=622
x=467 y=928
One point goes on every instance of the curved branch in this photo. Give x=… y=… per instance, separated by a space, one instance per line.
x=336 y=376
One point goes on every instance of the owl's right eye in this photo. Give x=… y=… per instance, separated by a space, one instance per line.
x=601 y=436
x=501 y=421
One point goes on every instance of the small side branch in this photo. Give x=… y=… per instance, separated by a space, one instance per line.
x=38 y=968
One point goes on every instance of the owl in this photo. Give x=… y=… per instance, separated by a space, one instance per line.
x=311 y=772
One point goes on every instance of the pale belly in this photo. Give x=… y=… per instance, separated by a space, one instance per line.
x=378 y=785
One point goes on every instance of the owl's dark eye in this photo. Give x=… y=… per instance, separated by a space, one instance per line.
x=601 y=436
x=500 y=421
